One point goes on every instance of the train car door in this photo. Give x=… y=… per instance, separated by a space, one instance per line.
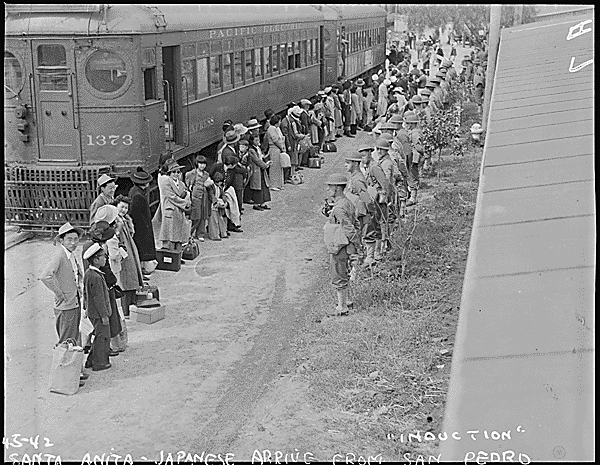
x=172 y=92
x=55 y=94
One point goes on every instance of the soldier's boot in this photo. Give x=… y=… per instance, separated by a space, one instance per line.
x=402 y=211
x=370 y=254
x=413 y=198
x=377 y=255
x=342 y=307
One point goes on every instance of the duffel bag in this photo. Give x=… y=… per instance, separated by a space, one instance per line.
x=329 y=147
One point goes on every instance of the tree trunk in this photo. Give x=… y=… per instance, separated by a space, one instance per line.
x=439 y=167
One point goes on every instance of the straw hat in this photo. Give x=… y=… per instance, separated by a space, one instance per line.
x=172 y=165
x=360 y=82
x=92 y=250
x=305 y=102
x=252 y=124
x=366 y=148
x=240 y=129
x=375 y=77
x=387 y=82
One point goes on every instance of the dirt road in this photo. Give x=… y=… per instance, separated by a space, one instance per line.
x=194 y=380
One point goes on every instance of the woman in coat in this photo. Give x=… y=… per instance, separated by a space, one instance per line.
x=176 y=198
x=258 y=187
x=276 y=142
x=130 y=277
x=139 y=211
x=356 y=110
x=197 y=181
x=382 y=102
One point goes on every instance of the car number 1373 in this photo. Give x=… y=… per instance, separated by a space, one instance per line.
x=125 y=139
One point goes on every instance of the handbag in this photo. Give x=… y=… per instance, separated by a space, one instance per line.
x=67 y=362
x=286 y=162
x=329 y=147
x=191 y=250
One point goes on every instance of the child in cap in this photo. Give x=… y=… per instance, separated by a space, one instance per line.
x=96 y=303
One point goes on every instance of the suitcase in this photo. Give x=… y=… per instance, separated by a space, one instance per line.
x=329 y=147
x=168 y=260
x=190 y=250
x=147 y=315
x=147 y=293
x=314 y=163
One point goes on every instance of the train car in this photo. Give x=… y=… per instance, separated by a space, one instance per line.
x=354 y=39
x=522 y=380
x=104 y=88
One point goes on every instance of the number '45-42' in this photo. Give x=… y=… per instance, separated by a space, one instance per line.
x=18 y=441
x=101 y=139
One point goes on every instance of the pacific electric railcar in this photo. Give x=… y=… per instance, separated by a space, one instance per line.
x=92 y=89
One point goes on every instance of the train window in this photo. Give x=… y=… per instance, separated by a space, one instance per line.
x=150 y=84
x=13 y=75
x=237 y=67
x=275 y=58
x=105 y=71
x=188 y=82
x=249 y=59
x=52 y=67
x=370 y=38
x=283 y=58
x=215 y=74
x=227 y=70
x=304 y=52
x=296 y=55
x=258 y=62
x=315 y=51
x=202 y=77
x=267 y=58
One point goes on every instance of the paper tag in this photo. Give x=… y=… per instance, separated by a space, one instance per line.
x=168 y=260
x=149 y=295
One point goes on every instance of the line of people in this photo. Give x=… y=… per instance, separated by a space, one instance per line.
x=381 y=180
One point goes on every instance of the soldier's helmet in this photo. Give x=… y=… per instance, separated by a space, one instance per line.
x=337 y=179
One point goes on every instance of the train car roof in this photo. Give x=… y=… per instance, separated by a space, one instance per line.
x=337 y=12
x=95 y=19
x=524 y=349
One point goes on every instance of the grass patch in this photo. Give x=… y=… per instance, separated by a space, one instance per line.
x=384 y=370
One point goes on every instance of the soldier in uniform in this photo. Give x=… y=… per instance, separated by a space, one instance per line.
x=478 y=81
x=341 y=238
x=385 y=190
x=416 y=157
x=356 y=191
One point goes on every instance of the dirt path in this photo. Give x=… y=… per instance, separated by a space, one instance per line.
x=194 y=380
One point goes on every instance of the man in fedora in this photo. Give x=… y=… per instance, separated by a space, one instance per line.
x=63 y=275
x=107 y=187
x=142 y=219
x=341 y=238
x=230 y=140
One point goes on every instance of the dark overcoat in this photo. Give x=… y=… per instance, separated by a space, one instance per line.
x=142 y=222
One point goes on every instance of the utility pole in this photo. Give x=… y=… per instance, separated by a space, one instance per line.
x=495 y=13
x=518 y=15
